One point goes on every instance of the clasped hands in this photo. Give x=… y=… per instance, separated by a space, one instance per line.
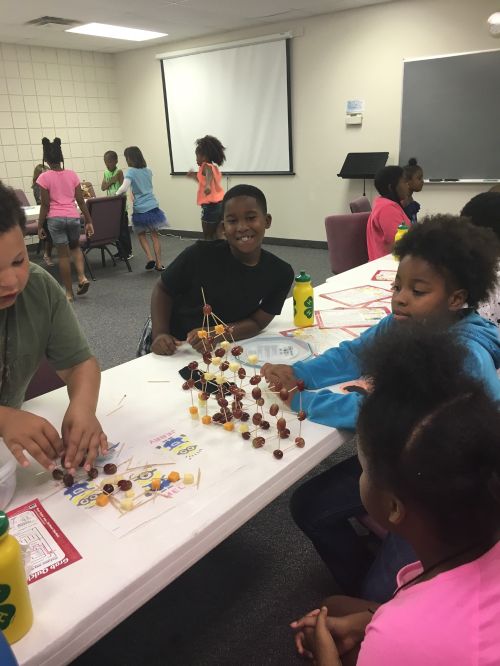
x=325 y=639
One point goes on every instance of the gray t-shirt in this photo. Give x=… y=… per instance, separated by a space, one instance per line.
x=40 y=323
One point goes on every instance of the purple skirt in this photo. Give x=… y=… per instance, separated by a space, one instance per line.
x=151 y=219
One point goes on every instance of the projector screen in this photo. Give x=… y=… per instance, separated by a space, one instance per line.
x=239 y=94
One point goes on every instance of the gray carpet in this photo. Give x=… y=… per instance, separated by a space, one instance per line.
x=234 y=606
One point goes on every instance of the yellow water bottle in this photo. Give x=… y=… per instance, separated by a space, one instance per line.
x=303 y=301
x=401 y=231
x=16 y=613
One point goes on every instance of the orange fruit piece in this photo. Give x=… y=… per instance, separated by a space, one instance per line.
x=206 y=420
x=102 y=500
x=155 y=484
x=173 y=477
x=229 y=426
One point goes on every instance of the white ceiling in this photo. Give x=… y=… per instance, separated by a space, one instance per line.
x=181 y=19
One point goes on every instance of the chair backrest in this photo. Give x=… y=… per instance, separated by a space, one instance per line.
x=106 y=214
x=44 y=380
x=21 y=197
x=346 y=237
x=360 y=205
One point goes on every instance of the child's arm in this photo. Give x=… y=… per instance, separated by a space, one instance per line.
x=106 y=184
x=124 y=187
x=89 y=229
x=192 y=174
x=207 y=172
x=163 y=342
x=44 y=210
x=82 y=433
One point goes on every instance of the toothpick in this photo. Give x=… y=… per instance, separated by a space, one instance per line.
x=158 y=381
x=123 y=398
x=113 y=410
x=198 y=478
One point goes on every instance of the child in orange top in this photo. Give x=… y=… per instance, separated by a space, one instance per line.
x=209 y=155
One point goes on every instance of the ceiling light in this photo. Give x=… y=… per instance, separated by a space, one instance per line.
x=494 y=23
x=116 y=32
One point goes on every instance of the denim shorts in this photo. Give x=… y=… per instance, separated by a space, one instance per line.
x=211 y=213
x=64 y=230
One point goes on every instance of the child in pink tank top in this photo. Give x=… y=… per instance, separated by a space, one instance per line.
x=430 y=474
x=209 y=156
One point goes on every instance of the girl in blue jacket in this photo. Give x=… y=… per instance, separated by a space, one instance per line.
x=447 y=267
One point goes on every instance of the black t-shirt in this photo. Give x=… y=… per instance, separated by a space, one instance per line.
x=234 y=291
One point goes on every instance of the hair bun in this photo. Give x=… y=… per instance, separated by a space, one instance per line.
x=45 y=141
x=412 y=161
x=57 y=141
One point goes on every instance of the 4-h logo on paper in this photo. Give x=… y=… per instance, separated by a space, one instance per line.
x=7 y=611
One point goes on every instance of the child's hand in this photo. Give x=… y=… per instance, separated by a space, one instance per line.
x=192 y=174
x=83 y=437
x=42 y=234
x=325 y=650
x=195 y=342
x=165 y=344
x=207 y=190
x=89 y=230
x=348 y=631
x=282 y=375
x=24 y=431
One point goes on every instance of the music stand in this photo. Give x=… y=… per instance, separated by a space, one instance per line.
x=362 y=165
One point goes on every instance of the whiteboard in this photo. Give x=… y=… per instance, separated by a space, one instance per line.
x=450 y=112
x=241 y=95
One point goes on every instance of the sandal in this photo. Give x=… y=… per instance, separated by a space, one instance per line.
x=160 y=268
x=48 y=261
x=150 y=265
x=83 y=288
x=70 y=298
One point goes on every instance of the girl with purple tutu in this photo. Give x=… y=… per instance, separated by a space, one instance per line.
x=146 y=215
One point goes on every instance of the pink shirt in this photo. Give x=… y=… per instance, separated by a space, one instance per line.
x=382 y=225
x=61 y=188
x=450 y=620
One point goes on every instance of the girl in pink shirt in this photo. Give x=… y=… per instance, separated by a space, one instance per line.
x=387 y=213
x=209 y=156
x=431 y=474
x=59 y=188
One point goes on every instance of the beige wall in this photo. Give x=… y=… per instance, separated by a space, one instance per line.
x=56 y=92
x=357 y=53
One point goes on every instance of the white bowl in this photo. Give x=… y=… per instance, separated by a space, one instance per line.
x=8 y=467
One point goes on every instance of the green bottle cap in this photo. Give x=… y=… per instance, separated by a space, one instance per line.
x=403 y=227
x=302 y=277
x=4 y=523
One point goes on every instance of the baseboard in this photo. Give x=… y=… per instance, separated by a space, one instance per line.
x=269 y=240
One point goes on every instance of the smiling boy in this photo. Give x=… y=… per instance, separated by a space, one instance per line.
x=37 y=321
x=245 y=285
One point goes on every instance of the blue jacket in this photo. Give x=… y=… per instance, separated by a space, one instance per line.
x=339 y=364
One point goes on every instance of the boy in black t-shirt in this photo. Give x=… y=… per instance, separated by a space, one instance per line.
x=245 y=285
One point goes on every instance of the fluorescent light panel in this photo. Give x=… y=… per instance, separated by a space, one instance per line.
x=116 y=32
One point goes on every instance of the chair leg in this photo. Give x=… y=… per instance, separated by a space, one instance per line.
x=128 y=265
x=103 y=260
x=106 y=248
x=88 y=265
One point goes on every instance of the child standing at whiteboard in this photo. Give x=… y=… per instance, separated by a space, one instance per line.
x=414 y=175
x=146 y=216
x=209 y=156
